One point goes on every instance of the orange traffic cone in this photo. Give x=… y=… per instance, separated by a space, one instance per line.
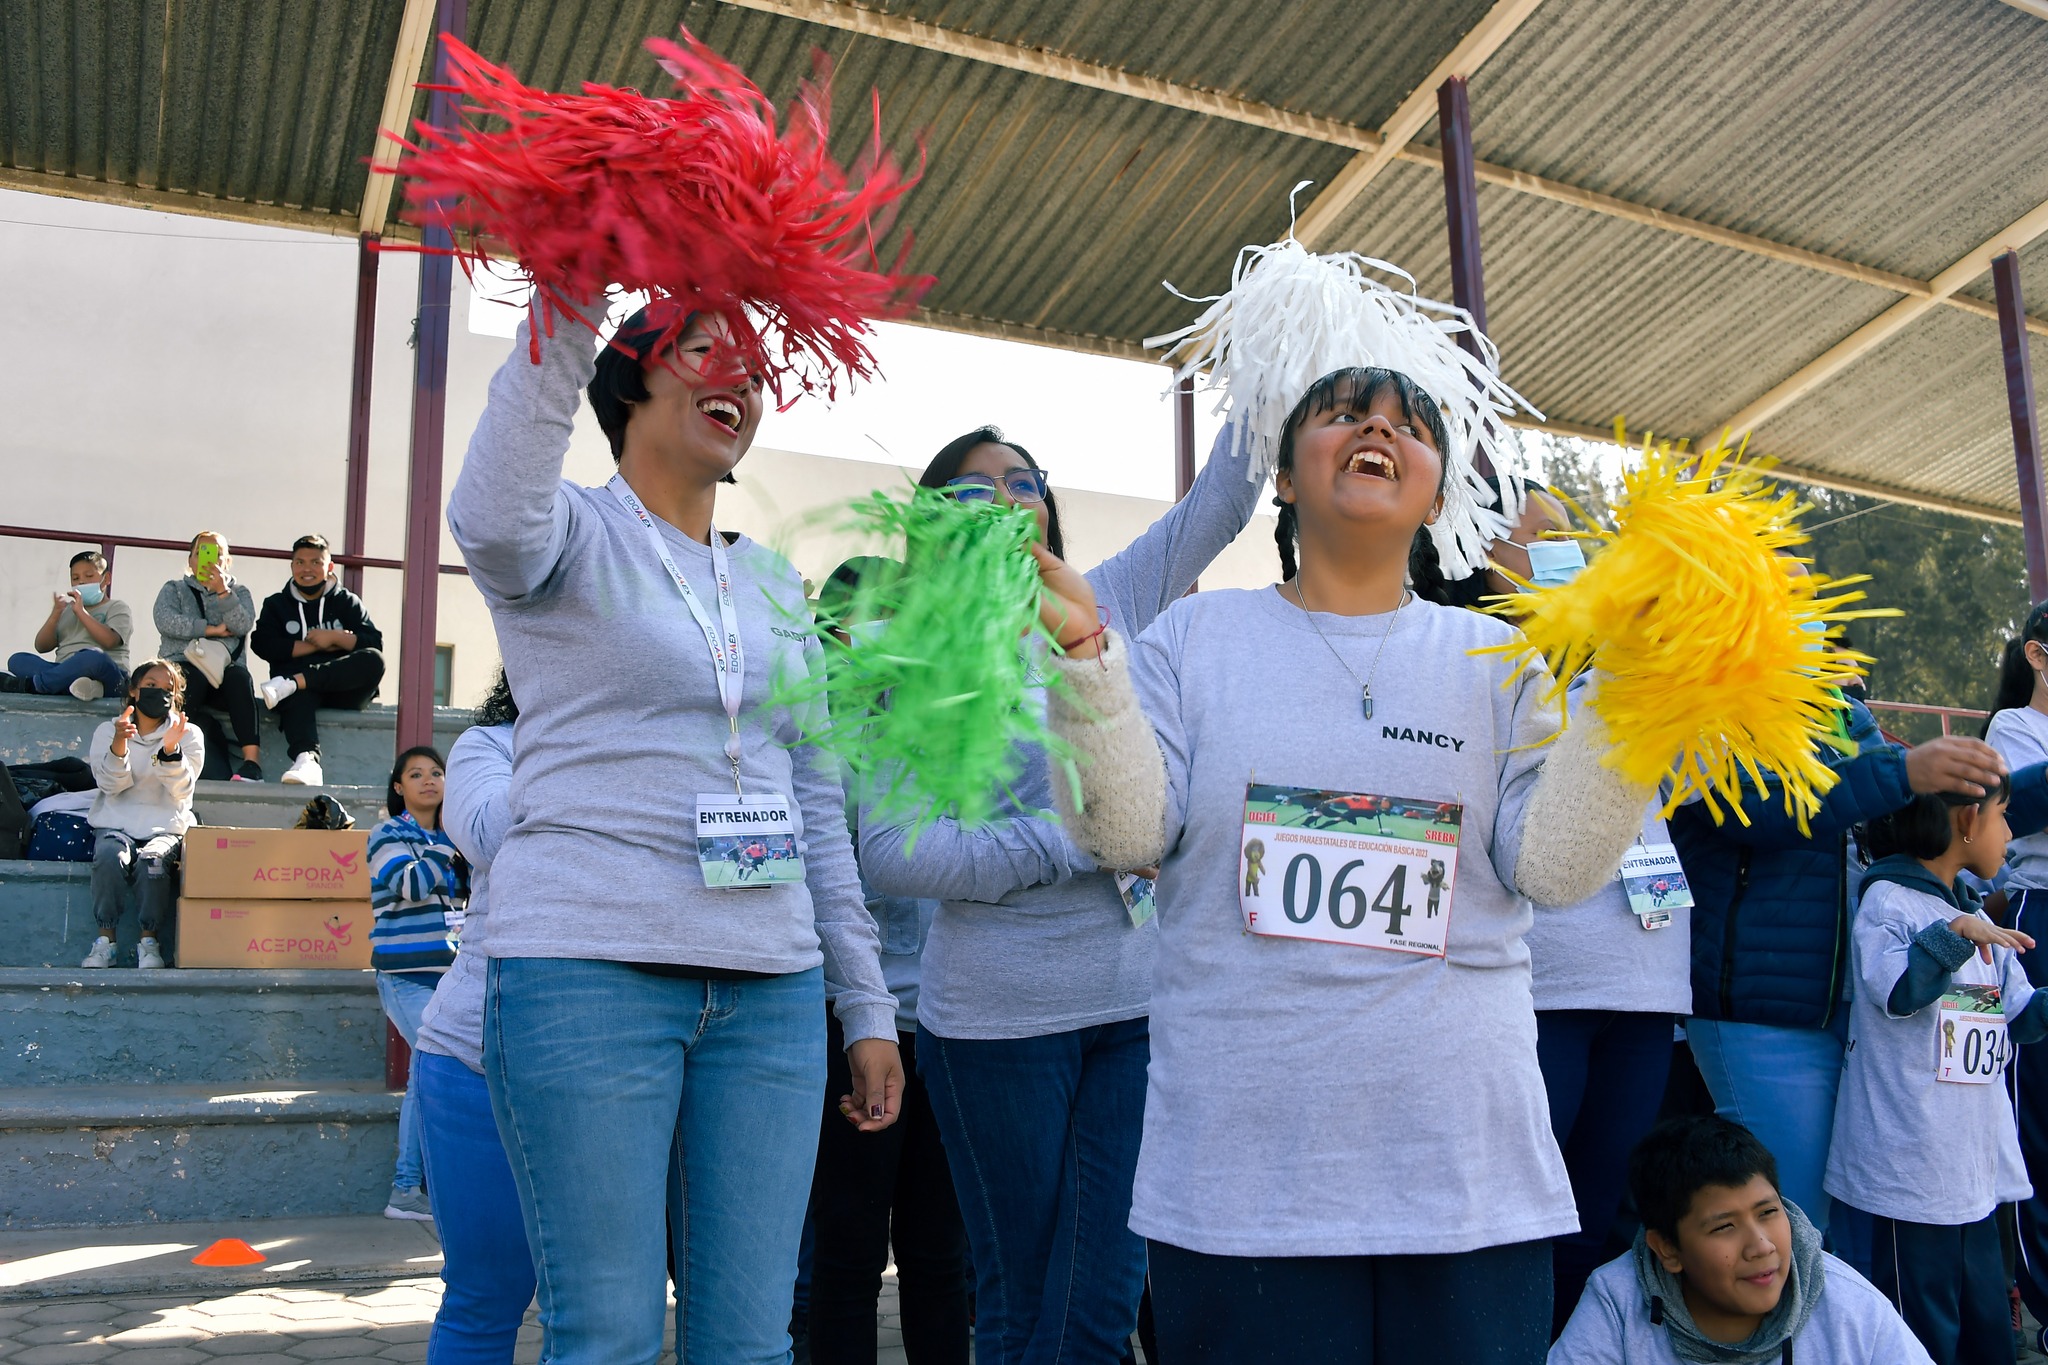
x=230 y=1251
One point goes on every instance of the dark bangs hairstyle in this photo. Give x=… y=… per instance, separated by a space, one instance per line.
x=1921 y=828
x=394 y=798
x=1682 y=1156
x=1356 y=390
x=2015 y=674
x=946 y=465
x=176 y=689
x=621 y=378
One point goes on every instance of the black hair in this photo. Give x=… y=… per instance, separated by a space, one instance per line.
x=1921 y=828
x=1356 y=390
x=621 y=378
x=394 y=799
x=311 y=541
x=843 y=589
x=1682 y=1156
x=2015 y=674
x=499 y=708
x=177 y=688
x=1426 y=573
x=92 y=557
x=946 y=465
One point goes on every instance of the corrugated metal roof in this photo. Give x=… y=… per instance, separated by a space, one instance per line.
x=1897 y=134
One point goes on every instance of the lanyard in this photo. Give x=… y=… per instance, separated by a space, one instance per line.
x=728 y=661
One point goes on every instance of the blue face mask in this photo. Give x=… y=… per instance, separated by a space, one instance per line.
x=1554 y=563
x=866 y=633
x=91 y=594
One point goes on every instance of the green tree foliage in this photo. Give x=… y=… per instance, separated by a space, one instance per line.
x=1961 y=582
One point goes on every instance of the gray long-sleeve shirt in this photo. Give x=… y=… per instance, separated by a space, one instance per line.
x=476 y=813
x=1031 y=938
x=185 y=607
x=621 y=727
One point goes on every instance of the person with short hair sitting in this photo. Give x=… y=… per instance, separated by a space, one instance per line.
x=1726 y=1269
x=204 y=619
x=87 y=631
x=323 y=650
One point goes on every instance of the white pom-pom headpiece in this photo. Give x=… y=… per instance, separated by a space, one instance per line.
x=1291 y=316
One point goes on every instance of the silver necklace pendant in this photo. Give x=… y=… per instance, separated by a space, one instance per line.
x=1365 y=694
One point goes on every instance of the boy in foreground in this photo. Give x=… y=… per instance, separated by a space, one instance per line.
x=1725 y=1270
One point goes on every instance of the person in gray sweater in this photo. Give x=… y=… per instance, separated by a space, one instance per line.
x=1347 y=1147
x=633 y=1008
x=210 y=604
x=1037 y=980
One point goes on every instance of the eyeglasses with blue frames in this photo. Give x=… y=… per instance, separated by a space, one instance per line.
x=1023 y=485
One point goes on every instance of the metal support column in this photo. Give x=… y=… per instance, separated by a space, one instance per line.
x=429 y=417
x=358 y=496
x=2026 y=417
x=1461 y=215
x=1183 y=438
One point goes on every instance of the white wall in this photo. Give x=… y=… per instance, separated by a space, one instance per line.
x=164 y=374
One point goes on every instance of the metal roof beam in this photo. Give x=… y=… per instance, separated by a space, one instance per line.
x=415 y=30
x=1888 y=324
x=1410 y=117
x=174 y=201
x=2037 y=8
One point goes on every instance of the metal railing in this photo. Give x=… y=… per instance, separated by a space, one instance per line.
x=109 y=543
x=1947 y=713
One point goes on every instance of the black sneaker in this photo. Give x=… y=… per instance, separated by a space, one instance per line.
x=10 y=683
x=248 y=771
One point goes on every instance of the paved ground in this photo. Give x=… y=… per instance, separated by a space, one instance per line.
x=272 y=1325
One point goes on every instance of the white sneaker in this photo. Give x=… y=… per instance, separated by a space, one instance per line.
x=88 y=689
x=305 y=771
x=275 y=691
x=147 y=955
x=102 y=954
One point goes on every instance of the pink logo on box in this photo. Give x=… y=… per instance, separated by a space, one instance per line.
x=216 y=912
x=220 y=843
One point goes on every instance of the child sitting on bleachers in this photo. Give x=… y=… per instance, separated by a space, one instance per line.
x=145 y=763
x=1726 y=1270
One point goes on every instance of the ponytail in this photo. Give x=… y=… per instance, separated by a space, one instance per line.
x=1284 y=536
x=2015 y=674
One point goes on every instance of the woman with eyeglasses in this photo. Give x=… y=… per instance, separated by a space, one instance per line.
x=1032 y=1037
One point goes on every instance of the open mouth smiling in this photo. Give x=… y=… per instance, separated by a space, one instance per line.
x=1372 y=462
x=723 y=411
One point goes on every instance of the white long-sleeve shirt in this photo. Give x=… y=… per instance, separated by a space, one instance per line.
x=138 y=795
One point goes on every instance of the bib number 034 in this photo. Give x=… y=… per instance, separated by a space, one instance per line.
x=1353 y=868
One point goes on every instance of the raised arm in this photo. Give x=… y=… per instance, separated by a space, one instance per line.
x=110 y=772
x=477 y=809
x=509 y=513
x=1156 y=570
x=1133 y=777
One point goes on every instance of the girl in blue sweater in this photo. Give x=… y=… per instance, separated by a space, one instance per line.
x=418 y=884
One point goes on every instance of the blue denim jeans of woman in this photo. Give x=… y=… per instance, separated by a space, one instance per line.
x=611 y=1084
x=1780 y=1083
x=404 y=996
x=2027 y=1080
x=486 y=1269
x=1042 y=1136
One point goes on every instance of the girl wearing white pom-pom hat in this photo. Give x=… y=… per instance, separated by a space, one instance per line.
x=1347 y=1153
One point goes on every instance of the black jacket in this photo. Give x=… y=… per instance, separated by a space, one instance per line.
x=285 y=614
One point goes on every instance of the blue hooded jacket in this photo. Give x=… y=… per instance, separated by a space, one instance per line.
x=1770 y=918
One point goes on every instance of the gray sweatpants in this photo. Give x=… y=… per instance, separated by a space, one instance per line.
x=120 y=863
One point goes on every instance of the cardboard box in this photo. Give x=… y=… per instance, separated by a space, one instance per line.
x=224 y=932
x=277 y=864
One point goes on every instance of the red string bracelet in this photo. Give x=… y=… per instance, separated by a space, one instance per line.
x=1068 y=647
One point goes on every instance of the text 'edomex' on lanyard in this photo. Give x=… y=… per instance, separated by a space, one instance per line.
x=728 y=660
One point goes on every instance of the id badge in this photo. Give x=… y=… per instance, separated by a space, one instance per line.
x=1654 y=882
x=746 y=842
x=1972 y=1047
x=1139 y=901
x=1355 y=868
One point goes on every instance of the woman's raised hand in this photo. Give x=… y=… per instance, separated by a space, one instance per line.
x=174 y=732
x=1066 y=607
x=124 y=730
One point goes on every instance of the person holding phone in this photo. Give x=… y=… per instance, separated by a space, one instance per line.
x=204 y=619
x=144 y=762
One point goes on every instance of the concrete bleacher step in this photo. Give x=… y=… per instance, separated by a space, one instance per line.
x=275 y=805
x=73 y=1155
x=356 y=747
x=73 y=1027
x=46 y=915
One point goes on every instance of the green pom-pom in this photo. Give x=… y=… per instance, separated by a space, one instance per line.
x=930 y=716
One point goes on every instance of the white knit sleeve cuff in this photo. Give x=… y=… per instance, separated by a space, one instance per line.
x=1580 y=820
x=1122 y=818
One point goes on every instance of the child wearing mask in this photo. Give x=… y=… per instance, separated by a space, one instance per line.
x=86 y=635
x=1924 y=1133
x=1725 y=1269
x=145 y=763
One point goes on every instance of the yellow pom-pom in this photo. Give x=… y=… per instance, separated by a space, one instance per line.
x=1714 y=645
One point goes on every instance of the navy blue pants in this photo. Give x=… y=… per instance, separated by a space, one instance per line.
x=1605 y=1071
x=2027 y=1078
x=1948 y=1283
x=1485 y=1307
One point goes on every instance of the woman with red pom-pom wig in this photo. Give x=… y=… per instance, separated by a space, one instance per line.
x=650 y=1032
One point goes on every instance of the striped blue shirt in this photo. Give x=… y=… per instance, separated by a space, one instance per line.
x=417 y=890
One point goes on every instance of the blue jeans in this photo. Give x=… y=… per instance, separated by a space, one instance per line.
x=611 y=1085
x=1605 y=1071
x=486 y=1270
x=46 y=677
x=404 y=996
x=1779 y=1083
x=1042 y=1136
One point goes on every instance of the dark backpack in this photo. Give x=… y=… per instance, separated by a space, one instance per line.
x=13 y=819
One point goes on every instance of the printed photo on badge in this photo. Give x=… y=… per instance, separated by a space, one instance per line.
x=747 y=843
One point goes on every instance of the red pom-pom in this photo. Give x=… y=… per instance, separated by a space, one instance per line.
x=698 y=200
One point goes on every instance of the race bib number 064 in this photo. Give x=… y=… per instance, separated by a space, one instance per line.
x=1353 y=868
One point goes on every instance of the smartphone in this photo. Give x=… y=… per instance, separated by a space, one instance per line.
x=207 y=557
